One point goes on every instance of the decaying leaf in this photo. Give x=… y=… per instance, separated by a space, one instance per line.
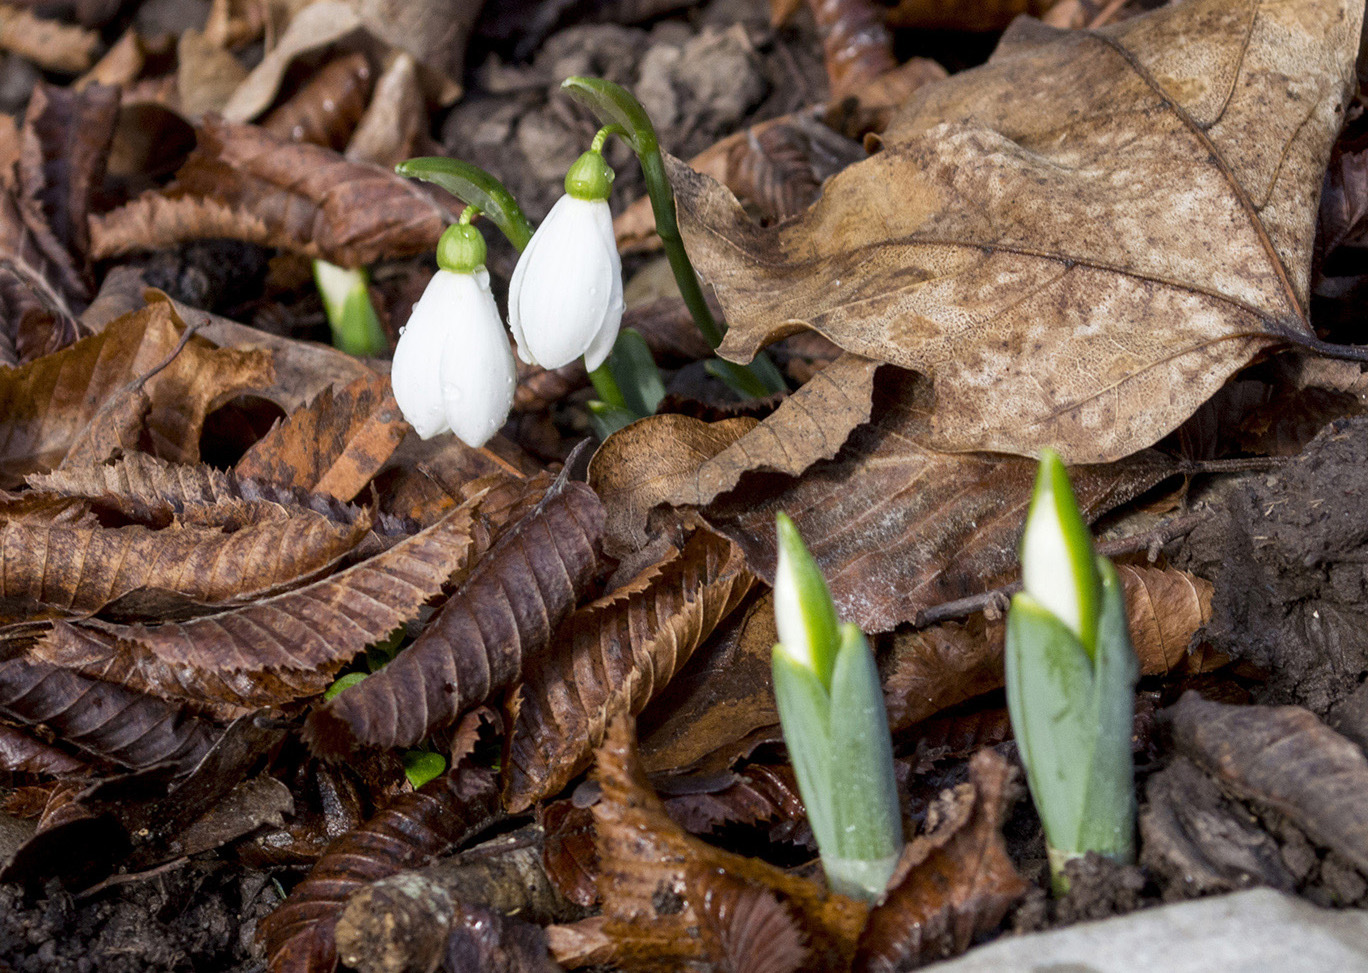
x=954 y=881
x=243 y=183
x=326 y=110
x=480 y=640
x=1283 y=758
x=48 y=43
x=395 y=119
x=46 y=405
x=21 y=753
x=659 y=885
x=1077 y=242
x=856 y=44
x=335 y=445
x=207 y=73
x=39 y=288
x=298 y=936
x=617 y=653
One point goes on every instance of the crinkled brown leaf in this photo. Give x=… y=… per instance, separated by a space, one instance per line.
x=335 y=445
x=1284 y=758
x=108 y=722
x=326 y=110
x=48 y=43
x=55 y=571
x=243 y=183
x=655 y=883
x=1078 y=242
x=481 y=639
x=897 y=526
x=46 y=405
x=755 y=794
x=954 y=881
x=287 y=646
x=779 y=168
x=298 y=935
x=39 y=288
x=617 y=653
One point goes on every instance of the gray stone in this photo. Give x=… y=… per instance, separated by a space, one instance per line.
x=1258 y=931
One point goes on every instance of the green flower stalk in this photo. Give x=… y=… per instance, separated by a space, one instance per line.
x=1071 y=674
x=831 y=708
x=346 y=301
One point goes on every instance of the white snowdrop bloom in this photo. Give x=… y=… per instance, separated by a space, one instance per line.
x=565 y=299
x=453 y=370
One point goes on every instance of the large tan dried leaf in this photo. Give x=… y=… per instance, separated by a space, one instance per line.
x=46 y=405
x=954 y=881
x=659 y=885
x=617 y=653
x=932 y=669
x=335 y=445
x=57 y=571
x=1079 y=241
x=291 y=645
x=243 y=183
x=47 y=43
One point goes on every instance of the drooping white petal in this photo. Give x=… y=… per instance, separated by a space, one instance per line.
x=563 y=286
x=477 y=372
x=418 y=355
x=602 y=345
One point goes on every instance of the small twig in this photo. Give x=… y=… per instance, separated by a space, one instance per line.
x=995 y=601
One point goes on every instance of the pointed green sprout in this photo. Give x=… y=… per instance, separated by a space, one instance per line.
x=831 y=707
x=616 y=107
x=628 y=384
x=1071 y=674
x=346 y=301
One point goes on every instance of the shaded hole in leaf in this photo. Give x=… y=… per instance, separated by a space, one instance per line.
x=232 y=428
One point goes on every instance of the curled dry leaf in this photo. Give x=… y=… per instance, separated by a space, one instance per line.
x=39 y=288
x=298 y=935
x=327 y=109
x=755 y=794
x=660 y=885
x=931 y=669
x=856 y=44
x=243 y=183
x=335 y=445
x=1283 y=758
x=954 y=881
x=958 y=250
x=46 y=405
x=50 y=44
x=389 y=131
x=481 y=639
x=109 y=722
x=616 y=654
x=291 y=645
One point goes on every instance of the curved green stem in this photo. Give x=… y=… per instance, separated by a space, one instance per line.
x=477 y=188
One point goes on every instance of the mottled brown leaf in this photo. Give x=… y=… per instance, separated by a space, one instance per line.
x=243 y=183
x=655 y=881
x=298 y=935
x=617 y=653
x=326 y=110
x=1078 y=242
x=47 y=404
x=897 y=526
x=287 y=646
x=480 y=640
x=335 y=445
x=108 y=722
x=48 y=43
x=954 y=881
x=1284 y=758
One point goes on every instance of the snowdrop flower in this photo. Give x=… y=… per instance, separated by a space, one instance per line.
x=565 y=299
x=453 y=370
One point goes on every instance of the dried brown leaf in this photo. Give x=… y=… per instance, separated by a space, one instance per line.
x=50 y=44
x=962 y=249
x=856 y=44
x=1284 y=758
x=1344 y=201
x=21 y=753
x=207 y=74
x=955 y=881
x=616 y=654
x=244 y=183
x=335 y=445
x=39 y=288
x=389 y=131
x=963 y=14
x=479 y=642
x=327 y=109
x=779 y=168
x=568 y=854
x=47 y=404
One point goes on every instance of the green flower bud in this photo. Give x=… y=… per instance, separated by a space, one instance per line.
x=461 y=249
x=590 y=178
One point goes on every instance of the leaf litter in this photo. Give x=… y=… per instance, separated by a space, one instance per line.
x=1082 y=243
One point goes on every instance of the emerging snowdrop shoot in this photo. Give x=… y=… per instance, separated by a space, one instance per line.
x=831 y=708
x=453 y=370
x=1071 y=675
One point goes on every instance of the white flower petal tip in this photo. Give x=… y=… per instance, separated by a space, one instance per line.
x=453 y=370
x=565 y=299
